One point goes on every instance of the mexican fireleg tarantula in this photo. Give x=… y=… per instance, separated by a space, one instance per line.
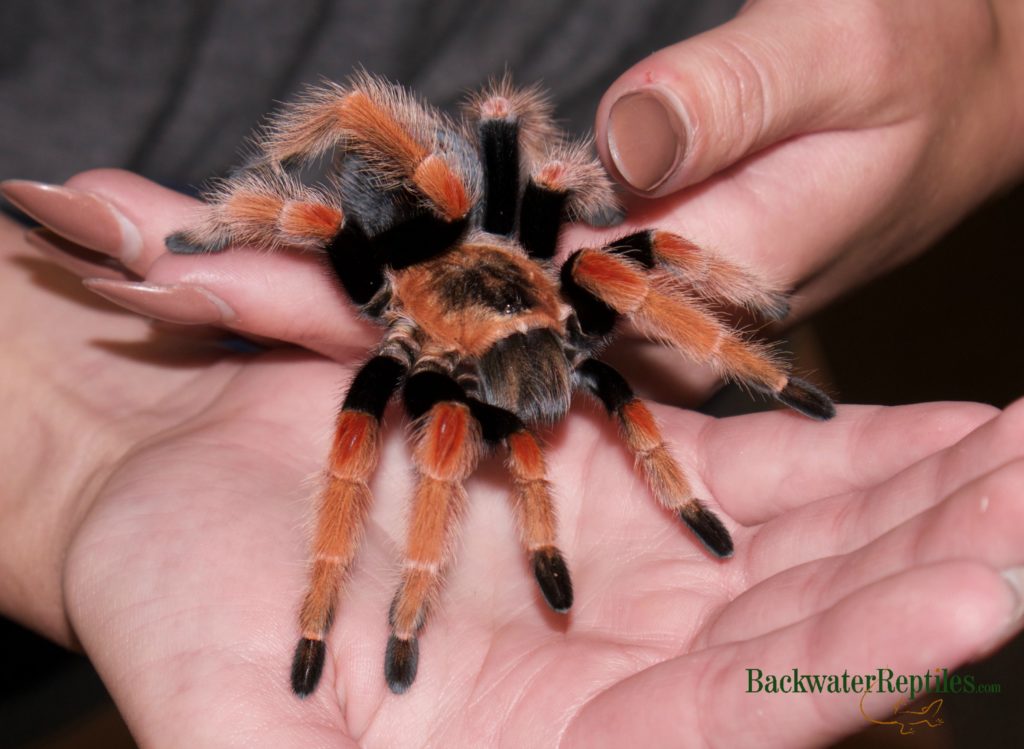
x=445 y=233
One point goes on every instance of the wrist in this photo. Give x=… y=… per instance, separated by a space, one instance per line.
x=46 y=454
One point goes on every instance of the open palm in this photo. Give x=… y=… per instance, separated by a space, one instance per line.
x=185 y=570
x=184 y=579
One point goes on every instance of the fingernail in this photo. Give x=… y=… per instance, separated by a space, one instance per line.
x=73 y=257
x=83 y=217
x=1014 y=576
x=646 y=137
x=182 y=303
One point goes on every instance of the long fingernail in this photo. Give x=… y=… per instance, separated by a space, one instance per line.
x=83 y=217
x=646 y=137
x=73 y=257
x=182 y=303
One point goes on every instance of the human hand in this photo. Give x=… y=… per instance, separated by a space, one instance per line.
x=183 y=556
x=822 y=143
x=193 y=583
x=126 y=218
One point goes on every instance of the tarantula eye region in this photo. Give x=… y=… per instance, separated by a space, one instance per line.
x=477 y=287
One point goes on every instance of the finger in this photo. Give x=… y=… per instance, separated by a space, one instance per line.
x=696 y=699
x=109 y=211
x=983 y=521
x=763 y=465
x=844 y=522
x=281 y=296
x=778 y=69
x=73 y=257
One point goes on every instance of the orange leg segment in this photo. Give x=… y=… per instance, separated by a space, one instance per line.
x=264 y=209
x=715 y=278
x=642 y=436
x=535 y=510
x=669 y=312
x=344 y=504
x=447 y=451
x=394 y=133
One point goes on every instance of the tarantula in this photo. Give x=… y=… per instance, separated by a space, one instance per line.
x=445 y=234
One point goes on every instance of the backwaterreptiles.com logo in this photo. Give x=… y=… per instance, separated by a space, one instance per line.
x=881 y=681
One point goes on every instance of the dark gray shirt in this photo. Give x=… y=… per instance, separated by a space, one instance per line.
x=171 y=88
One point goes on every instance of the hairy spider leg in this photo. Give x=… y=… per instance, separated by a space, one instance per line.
x=498 y=133
x=453 y=429
x=399 y=138
x=564 y=181
x=344 y=503
x=261 y=208
x=602 y=286
x=568 y=184
x=541 y=216
x=447 y=449
x=538 y=522
x=642 y=436
x=711 y=277
x=529 y=106
x=359 y=261
x=532 y=500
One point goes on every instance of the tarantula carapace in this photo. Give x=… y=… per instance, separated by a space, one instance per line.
x=445 y=233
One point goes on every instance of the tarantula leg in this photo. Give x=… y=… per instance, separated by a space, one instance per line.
x=453 y=426
x=350 y=254
x=709 y=276
x=306 y=128
x=498 y=132
x=396 y=135
x=510 y=123
x=642 y=436
x=569 y=184
x=534 y=506
x=537 y=520
x=602 y=286
x=446 y=452
x=261 y=208
x=359 y=260
x=541 y=217
x=344 y=503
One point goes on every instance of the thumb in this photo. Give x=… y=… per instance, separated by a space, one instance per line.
x=777 y=70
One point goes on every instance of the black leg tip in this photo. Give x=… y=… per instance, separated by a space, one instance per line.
x=307 y=666
x=553 y=578
x=180 y=244
x=808 y=399
x=400 y=662
x=709 y=529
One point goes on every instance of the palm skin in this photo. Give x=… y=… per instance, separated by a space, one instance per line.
x=184 y=575
x=183 y=580
x=183 y=560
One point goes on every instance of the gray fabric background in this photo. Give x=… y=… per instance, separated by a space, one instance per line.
x=170 y=88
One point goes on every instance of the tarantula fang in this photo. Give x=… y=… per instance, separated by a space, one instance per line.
x=445 y=233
